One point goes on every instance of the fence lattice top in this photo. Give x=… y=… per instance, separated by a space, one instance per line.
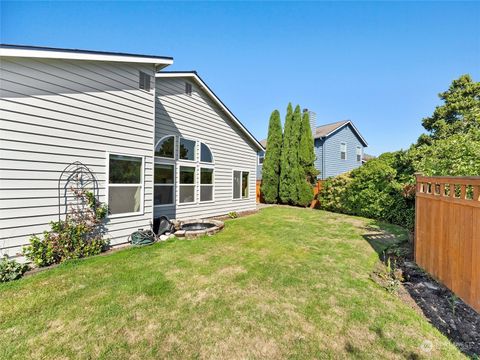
x=464 y=190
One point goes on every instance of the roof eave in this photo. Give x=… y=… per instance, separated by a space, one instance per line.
x=67 y=54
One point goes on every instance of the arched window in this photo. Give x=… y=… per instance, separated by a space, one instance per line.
x=166 y=147
x=205 y=154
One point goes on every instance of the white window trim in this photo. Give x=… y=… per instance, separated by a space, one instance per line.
x=174 y=182
x=258 y=159
x=195 y=182
x=241 y=183
x=200 y=153
x=200 y=185
x=195 y=160
x=142 y=184
x=359 y=152
x=174 y=148
x=343 y=143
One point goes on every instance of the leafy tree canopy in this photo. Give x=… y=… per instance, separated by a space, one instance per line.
x=459 y=114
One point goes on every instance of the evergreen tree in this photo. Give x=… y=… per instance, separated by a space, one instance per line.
x=306 y=159
x=306 y=152
x=286 y=171
x=271 y=164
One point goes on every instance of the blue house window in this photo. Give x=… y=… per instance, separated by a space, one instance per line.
x=343 y=151
x=359 y=154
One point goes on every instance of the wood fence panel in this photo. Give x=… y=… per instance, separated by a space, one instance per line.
x=447 y=233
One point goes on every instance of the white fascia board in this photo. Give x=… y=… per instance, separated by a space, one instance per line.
x=47 y=54
x=354 y=128
x=214 y=97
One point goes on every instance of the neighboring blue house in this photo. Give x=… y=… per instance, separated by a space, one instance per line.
x=338 y=147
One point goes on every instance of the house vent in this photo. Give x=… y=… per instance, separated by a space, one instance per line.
x=144 y=81
x=188 y=88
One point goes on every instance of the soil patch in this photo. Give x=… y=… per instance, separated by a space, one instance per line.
x=443 y=309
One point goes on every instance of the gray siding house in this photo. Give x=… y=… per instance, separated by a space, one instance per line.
x=339 y=147
x=114 y=111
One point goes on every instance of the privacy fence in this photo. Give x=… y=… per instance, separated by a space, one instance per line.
x=447 y=233
x=315 y=203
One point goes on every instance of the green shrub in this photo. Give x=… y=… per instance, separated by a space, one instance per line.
x=332 y=195
x=372 y=191
x=80 y=235
x=232 y=215
x=11 y=270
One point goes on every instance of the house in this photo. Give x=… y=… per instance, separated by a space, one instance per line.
x=339 y=148
x=156 y=142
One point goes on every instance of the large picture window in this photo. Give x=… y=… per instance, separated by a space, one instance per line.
x=186 y=184
x=187 y=149
x=206 y=184
x=164 y=184
x=166 y=147
x=125 y=184
x=240 y=184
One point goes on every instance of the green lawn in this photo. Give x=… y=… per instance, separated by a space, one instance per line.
x=283 y=283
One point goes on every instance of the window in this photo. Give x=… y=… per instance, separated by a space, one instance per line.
x=206 y=184
x=125 y=184
x=163 y=184
x=144 y=81
x=187 y=184
x=240 y=184
x=261 y=158
x=165 y=147
x=359 y=153
x=244 y=184
x=205 y=154
x=343 y=151
x=188 y=88
x=187 y=149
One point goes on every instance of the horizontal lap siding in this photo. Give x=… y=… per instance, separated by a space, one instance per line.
x=319 y=157
x=333 y=165
x=55 y=112
x=198 y=117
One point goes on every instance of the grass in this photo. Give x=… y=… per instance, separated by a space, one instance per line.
x=284 y=283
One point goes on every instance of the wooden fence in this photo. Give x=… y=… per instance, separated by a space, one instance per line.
x=447 y=233
x=315 y=203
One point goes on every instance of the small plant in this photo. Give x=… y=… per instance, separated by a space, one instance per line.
x=11 y=269
x=232 y=215
x=453 y=300
x=79 y=235
x=391 y=275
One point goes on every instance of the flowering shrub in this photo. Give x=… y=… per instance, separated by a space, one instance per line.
x=81 y=234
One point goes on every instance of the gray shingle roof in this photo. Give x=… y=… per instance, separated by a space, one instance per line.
x=324 y=130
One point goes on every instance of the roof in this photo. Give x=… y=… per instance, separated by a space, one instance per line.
x=193 y=75
x=77 y=54
x=325 y=130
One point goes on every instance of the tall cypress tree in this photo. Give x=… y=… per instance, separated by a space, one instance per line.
x=294 y=163
x=306 y=157
x=306 y=152
x=271 y=164
x=286 y=171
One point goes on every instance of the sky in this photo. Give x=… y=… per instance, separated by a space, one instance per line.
x=379 y=64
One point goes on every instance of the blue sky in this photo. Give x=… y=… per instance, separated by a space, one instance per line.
x=380 y=64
